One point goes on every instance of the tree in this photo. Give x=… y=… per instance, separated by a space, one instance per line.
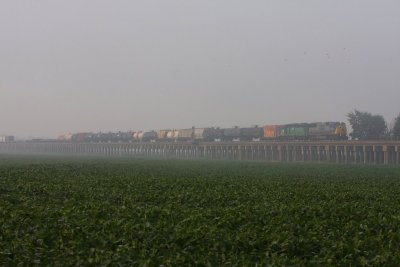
x=366 y=126
x=396 y=128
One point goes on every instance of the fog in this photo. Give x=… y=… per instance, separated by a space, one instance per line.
x=96 y=65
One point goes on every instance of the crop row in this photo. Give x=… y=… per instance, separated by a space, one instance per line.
x=60 y=212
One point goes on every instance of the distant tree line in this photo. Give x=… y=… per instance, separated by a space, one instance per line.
x=396 y=128
x=368 y=126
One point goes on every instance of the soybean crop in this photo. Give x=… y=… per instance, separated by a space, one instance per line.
x=142 y=212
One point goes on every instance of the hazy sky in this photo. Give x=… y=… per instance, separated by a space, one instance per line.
x=96 y=65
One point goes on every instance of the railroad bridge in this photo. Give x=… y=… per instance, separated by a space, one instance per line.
x=358 y=152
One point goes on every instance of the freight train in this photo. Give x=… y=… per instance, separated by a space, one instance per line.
x=287 y=132
x=6 y=138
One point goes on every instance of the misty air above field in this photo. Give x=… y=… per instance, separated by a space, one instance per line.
x=76 y=66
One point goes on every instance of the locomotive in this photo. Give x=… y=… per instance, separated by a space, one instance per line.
x=287 y=132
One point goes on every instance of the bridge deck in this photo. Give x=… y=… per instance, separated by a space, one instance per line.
x=360 y=152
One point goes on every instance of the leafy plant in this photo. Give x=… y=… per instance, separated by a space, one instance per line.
x=64 y=212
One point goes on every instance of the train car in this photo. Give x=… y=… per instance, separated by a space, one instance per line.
x=137 y=136
x=79 y=137
x=271 y=132
x=106 y=137
x=149 y=136
x=96 y=138
x=207 y=134
x=341 y=131
x=6 y=138
x=162 y=135
x=328 y=131
x=117 y=137
x=173 y=135
x=142 y=136
x=64 y=138
x=170 y=135
x=296 y=131
x=251 y=133
x=126 y=137
x=114 y=137
x=231 y=134
x=90 y=137
x=186 y=134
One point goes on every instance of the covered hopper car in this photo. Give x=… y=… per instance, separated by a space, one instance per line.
x=162 y=135
x=186 y=134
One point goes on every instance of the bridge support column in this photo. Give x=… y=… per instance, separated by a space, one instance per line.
x=280 y=153
x=272 y=153
x=337 y=154
x=385 y=155
x=397 y=150
x=398 y=154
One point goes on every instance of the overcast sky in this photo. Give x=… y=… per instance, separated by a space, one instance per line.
x=97 y=65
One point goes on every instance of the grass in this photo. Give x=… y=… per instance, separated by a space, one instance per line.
x=136 y=212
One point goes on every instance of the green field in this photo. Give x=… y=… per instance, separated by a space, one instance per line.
x=137 y=212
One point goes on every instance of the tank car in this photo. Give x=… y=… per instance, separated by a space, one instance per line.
x=251 y=134
x=149 y=136
x=207 y=134
x=78 y=137
x=231 y=134
x=106 y=137
x=126 y=137
x=115 y=137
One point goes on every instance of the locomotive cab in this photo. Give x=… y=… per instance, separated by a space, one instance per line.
x=341 y=131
